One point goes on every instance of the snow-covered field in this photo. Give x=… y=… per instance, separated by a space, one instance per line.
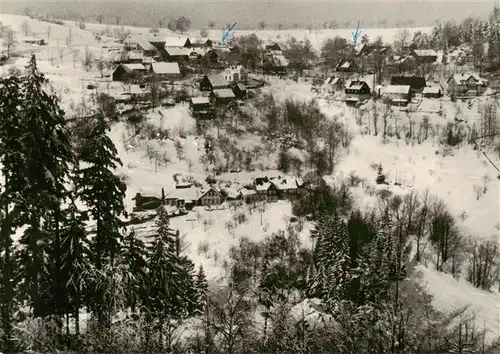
x=451 y=178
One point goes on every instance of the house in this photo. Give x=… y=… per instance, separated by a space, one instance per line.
x=249 y=195
x=211 y=57
x=335 y=83
x=240 y=90
x=182 y=197
x=275 y=64
x=416 y=83
x=133 y=57
x=432 y=92
x=398 y=95
x=166 y=71
x=202 y=43
x=286 y=187
x=266 y=191
x=466 y=85
x=210 y=197
x=357 y=91
x=177 y=42
x=33 y=40
x=140 y=43
x=236 y=73
x=401 y=63
x=199 y=104
x=424 y=56
x=179 y=55
x=214 y=82
x=222 y=96
x=369 y=49
x=274 y=48
x=346 y=67
x=125 y=72
x=137 y=93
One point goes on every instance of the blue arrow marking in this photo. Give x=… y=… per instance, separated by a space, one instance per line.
x=355 y=35
x=227 y=32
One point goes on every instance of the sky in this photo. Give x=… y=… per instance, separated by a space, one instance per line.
x=249 y=13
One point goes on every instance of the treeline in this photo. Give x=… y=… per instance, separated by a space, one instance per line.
x=483 y=37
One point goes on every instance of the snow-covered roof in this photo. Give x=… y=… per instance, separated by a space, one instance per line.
x=404 y=89
x=136 y=90
x=218 y=81
x=352 y=99
x=133 y=66
x=134 y=55
x=235 y=69
x=282 y=60
x=346 y=65
x=245 y=192
x=224 y=93
x=165 y=68
x=356 y=85
x=186 y=194
x=263 y=187
x=462 y=78
x=140 y=40
x=334 y=80
x=178 y=51
x=433 y=89
x=425 y=52
x=200 y=100
x=175 y=41
x=284 y=183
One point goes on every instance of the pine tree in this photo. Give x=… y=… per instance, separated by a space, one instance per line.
x=103 y=192
x=75 y=261
x=43 y=142
x=331 y=258
x=11 y=158
x=165 y=276
x=135 y=258
x=201 y=288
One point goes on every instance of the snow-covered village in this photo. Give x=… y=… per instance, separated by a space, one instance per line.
x=323 y=187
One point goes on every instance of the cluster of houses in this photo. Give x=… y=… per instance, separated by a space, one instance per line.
x=402 y=89
x=185 y=196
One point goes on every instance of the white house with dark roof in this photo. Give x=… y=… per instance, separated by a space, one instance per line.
x=236 y=73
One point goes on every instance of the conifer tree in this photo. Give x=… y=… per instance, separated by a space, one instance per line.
x=165 y=276
x=43 y=142
x=135 y=258
x=103 y=192
x=201 y=288
x=75 y=261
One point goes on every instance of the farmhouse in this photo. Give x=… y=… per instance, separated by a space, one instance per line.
x=346 y=67
x=179 y=55
x=466 y=85
x=399 y=95
x=210 y=197
x=424 y=56
x=357 y=91
x=276 y=64
x=222 y=96
x=215 y=82
x=139 y=43
x=249 y=195
x=126 y=72
x=286 y=187
x=182 y=197
x=236 y=74
x=417 y=84
x=335 y=83
x=199 y=103
x=166 y=71
x=432 y=92
x=177 y=42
